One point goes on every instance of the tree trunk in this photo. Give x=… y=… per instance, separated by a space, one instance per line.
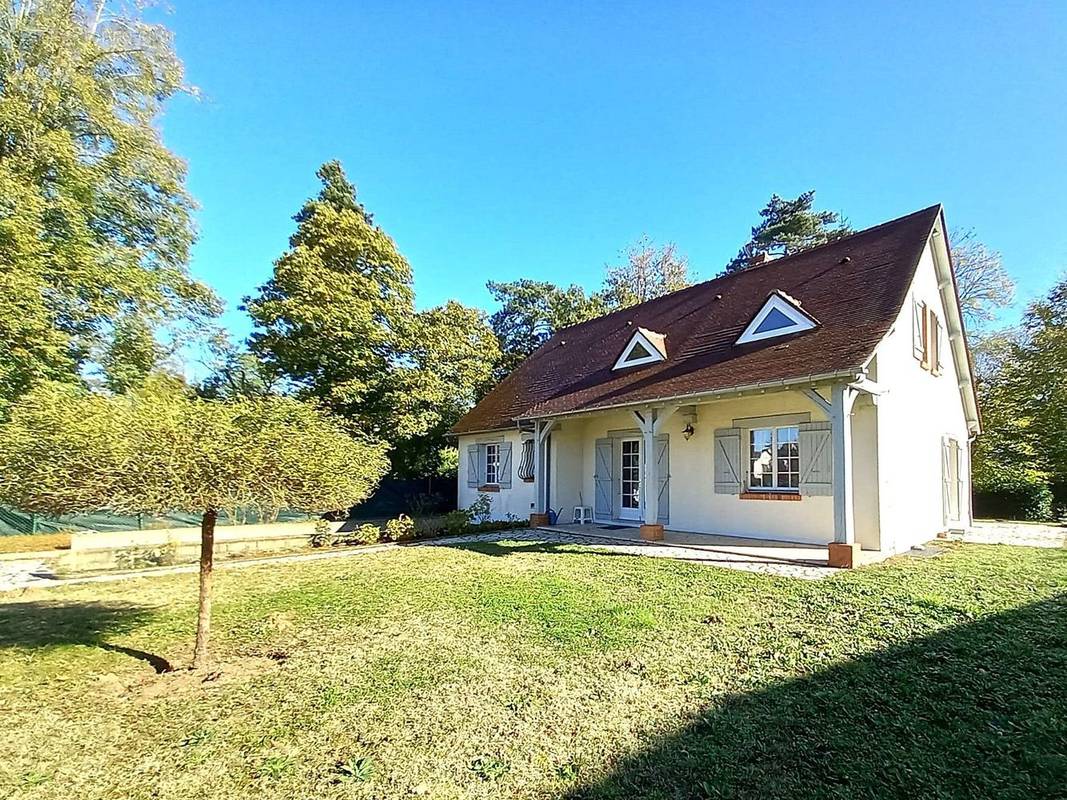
x=207 y=561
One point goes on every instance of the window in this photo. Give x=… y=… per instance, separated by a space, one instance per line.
x=774 y=458
x=780 y=315
x=492 y=464
x=644 y=347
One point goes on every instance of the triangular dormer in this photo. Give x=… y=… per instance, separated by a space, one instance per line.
x=781 y=315
x=645 y=347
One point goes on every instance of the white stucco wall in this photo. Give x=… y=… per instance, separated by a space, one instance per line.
x=516 y=501
x=694 y=505
x=913 y=415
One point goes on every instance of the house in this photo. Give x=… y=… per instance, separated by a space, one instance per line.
x=824 y=397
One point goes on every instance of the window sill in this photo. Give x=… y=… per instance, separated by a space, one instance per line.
x=489 y=487
x=770 y=496
x=526 y=480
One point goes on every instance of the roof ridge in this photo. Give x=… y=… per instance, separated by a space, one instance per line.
x=725 y=275
x=853 y=235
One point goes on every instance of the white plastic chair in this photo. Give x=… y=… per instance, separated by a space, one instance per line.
x=583 y=515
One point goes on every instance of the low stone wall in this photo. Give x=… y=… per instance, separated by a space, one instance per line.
x=164 y=546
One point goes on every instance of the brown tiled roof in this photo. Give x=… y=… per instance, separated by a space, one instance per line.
x=854 y=287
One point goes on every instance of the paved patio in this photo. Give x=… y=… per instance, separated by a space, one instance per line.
x=750 y=557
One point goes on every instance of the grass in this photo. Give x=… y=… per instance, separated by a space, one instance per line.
x=34 y=542
x=521 y=670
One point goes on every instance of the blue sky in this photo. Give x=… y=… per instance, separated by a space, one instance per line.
x=501 y=140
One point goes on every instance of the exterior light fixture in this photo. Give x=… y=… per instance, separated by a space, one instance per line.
x=688 y=431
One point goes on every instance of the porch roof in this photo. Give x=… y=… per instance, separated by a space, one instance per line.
x=855 y=287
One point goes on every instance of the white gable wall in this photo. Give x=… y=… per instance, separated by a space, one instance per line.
x=914 y=414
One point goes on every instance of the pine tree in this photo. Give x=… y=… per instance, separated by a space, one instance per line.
x=789 y=226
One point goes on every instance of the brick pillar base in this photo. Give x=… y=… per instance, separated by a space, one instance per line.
x=538 y=520
x=651 y=533
x=842 y=555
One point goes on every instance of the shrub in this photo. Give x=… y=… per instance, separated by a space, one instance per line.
x=400 y=529
x=321 y=537
x=367 y=533
x=1030 y=501
x=457 y=521
x=481 y=510
x=1011 y=491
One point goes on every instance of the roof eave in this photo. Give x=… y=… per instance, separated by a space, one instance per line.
x=851 y=373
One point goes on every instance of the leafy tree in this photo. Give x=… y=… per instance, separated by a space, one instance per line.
x=337 y=323
x=236 y=374
x=531 y=311
x=789 y=226
x=1043 y=363
x=1008 y=472
x=647 y=273
x=159 y=449
x=131 y=355
x=338 y=313
x=449 y=367
x=982 y=281
x=95 y=222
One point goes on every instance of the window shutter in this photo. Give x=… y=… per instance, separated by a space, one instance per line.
x=481 y=464
x=917 y=330
x=926 y=337
x=946 y=476
x=605 y=458
x=663 y=468
x=472 y=466
x=503 y=470
x=816 y=459
x=961 y=465
x=938 y=344
x=728 y=461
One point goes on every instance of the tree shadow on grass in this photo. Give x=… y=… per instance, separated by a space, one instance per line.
x=979 y=710
x=42 y=624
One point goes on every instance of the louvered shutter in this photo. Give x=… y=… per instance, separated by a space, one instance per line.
x=663 y=469
x=605 y=457
x=503 y=469
x=728 y=461
x=472 y=466
x=816 y=459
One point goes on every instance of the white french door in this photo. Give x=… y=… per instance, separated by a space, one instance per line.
x=630 y=479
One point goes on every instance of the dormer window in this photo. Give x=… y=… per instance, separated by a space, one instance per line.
x=780 y=315
x=644 y=347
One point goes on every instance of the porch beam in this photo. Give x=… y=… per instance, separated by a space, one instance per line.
x=820 y=401
x=868 y=386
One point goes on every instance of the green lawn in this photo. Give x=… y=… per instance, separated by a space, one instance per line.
x=520 y=670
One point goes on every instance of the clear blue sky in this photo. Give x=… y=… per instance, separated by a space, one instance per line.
x=498 y=141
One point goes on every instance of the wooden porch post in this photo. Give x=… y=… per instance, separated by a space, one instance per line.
x=540 y=511
x=844 y=549
x=650 y=421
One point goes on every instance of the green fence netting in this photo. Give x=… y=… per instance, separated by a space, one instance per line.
x=13 y=521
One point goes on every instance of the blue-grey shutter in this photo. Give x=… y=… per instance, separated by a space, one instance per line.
x=472 y=466
x=602 y=478
x=816 y=459
x=728 y=461
x=663 y=469
x=503 y=469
